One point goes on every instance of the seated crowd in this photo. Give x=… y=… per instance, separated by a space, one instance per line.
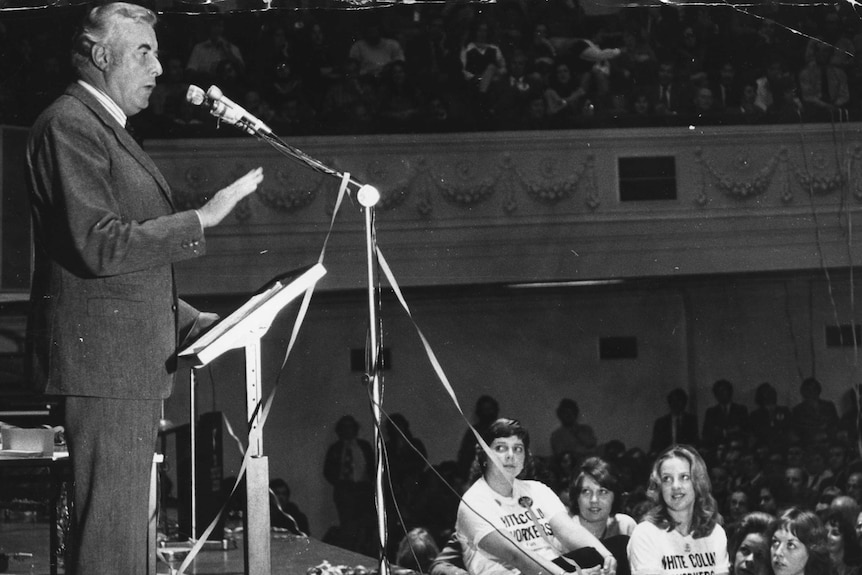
x=453 y=66
x=756 y=466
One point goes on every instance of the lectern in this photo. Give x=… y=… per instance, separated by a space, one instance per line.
x=243 y=329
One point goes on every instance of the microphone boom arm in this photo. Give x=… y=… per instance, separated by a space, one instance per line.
x=219 y=106
x=292 y=152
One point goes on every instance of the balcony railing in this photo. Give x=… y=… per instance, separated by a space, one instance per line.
x=525 y=206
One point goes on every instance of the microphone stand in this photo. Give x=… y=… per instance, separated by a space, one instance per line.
x=367 y=196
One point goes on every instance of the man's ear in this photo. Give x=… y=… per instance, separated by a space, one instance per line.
x=100 y=55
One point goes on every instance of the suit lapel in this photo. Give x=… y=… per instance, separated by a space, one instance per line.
x=144 y=159
x=124 y=138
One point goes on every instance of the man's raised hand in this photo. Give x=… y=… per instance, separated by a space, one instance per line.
x=224 y=201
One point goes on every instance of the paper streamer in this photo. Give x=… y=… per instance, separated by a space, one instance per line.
x=264 y=410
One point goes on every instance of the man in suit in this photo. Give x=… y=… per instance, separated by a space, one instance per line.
x=727 y=88
x=105 y=320
x=770 y=423
x=814 y=419
x=725 y=420
x=349 y=467
x=667 y=95
x=678 y=426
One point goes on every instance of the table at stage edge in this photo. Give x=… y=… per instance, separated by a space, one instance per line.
x=59 y=466
x=290 y=554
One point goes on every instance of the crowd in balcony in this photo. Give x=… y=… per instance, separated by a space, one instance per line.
x=460 y=66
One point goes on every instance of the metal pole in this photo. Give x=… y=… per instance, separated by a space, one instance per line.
x=192 y=451
x=368 y=197
x=258 y=554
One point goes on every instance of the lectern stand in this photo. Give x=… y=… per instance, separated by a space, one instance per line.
x=244 y=328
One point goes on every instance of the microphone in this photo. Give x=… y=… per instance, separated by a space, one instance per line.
x=227 y=110
x=195 y=95
x=233 y=113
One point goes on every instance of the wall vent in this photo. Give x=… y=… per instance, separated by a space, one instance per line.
x=647 y=179
x=842 y=335
x=618 y=347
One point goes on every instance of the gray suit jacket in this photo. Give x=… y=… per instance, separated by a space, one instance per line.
x=104 y=315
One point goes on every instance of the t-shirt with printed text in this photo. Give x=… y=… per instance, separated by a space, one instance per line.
x=653 y=551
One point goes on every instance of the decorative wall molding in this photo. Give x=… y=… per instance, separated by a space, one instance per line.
x=746 y=180
x=500 y=207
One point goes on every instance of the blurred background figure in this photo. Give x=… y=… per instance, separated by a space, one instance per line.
x=726 y=420
x=571 y=435
x=813 y=416
x=845 y=553
x=207 y=54
x=348 y=466
x=770 y=422
x=678 y=426
x=486 y=412
x=284 y=513
x=417 y=550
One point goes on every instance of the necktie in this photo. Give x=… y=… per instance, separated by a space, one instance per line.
x=347 y=464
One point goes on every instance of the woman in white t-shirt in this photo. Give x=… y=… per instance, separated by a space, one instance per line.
x=512 y=526
x=681 y=534
x=595 y=501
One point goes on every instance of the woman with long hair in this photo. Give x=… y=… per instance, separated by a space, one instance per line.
x=798 y=544
x=510 y=525
x=681 y=532
x=595 y=497
x=845 y=553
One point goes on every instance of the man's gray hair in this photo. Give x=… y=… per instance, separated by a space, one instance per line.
x=100 y=23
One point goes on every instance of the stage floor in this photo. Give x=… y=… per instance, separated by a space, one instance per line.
x=290 y=554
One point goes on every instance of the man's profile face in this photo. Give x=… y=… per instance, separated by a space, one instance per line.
x=130 y=75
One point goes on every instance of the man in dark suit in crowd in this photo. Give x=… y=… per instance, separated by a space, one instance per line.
x=726 y=420
x=667 y=95
x=105 y=321
x=349 y=467
x=678 y=426
x=814 y=419
x=727 y=88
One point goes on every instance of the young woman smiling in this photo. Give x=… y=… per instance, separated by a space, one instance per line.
x=681 y=533
x=595 y=495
